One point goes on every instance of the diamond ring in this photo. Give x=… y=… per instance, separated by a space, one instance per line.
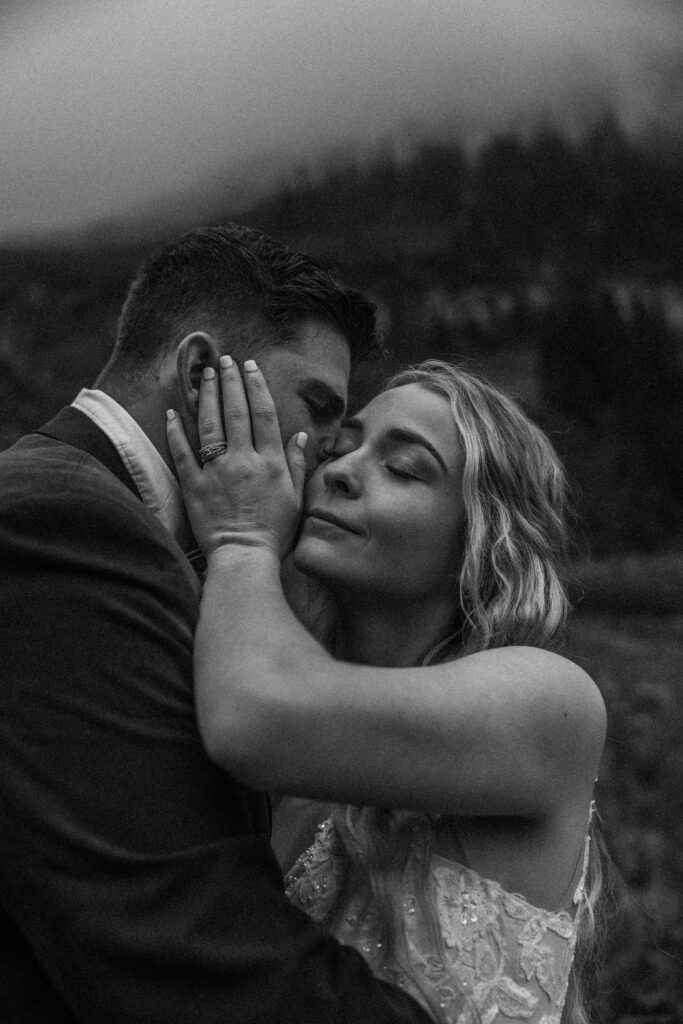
x=212 y=451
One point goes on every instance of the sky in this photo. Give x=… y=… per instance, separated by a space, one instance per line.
x=113 y=108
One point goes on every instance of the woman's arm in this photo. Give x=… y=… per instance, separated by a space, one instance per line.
x=494 y=733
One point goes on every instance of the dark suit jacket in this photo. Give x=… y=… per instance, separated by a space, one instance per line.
x=136 y=879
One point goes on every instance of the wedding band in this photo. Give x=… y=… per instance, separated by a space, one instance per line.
x=212 y=451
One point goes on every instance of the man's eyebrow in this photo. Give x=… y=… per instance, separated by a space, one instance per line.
x=413 y=437
x=321 y=391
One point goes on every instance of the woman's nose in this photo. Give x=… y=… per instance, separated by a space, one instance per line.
x=340 y=477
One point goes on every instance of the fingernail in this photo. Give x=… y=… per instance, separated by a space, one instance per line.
x=250 y=366
x=208 y=373
x=226 y=362
x=301 y=439
x=170 y=415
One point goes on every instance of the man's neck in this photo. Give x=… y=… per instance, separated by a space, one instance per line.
x=148 y=411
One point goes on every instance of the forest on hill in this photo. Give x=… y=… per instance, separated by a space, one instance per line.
x=514 y=208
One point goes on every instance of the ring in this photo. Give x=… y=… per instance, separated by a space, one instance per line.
x=212 y=451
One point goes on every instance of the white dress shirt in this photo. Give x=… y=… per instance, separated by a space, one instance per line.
x=155 y=482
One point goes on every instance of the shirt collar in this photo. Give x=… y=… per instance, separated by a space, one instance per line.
x=155 y=482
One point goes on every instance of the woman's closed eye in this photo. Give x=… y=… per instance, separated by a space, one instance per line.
x=405 y=469
x=399 y=466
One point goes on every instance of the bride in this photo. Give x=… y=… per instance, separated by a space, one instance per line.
x=459 y=752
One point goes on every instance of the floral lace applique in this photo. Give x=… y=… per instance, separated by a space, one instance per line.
x=468 y=909
x=537 y=959
x=501 y=958
x=314 y=881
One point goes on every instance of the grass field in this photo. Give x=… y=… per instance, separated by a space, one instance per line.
x=628 y=634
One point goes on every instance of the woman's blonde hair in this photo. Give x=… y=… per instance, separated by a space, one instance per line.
x=515 y=532
x=511 y=592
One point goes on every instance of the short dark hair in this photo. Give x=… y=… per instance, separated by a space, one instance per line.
x=241 y=286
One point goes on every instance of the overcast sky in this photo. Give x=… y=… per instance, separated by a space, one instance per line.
x=108 y=104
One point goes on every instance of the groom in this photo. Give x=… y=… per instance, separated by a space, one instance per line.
x=137 y=885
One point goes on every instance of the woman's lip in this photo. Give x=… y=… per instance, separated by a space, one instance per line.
x=328 y=517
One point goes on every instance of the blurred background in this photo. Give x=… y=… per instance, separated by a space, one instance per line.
x=505 y=179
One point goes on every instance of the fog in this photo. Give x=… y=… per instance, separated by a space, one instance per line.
x=112 y=107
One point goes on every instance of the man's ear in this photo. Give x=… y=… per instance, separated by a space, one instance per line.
x=194 y=352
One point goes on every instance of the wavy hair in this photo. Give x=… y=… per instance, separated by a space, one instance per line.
x=511 y=592
x=515 y=495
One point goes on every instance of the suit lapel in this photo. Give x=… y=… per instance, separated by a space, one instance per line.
x=71 y=426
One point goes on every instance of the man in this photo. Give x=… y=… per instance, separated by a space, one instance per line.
x=136 y=880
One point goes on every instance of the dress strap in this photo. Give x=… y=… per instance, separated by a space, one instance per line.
x=580 y=890
x=578 y=880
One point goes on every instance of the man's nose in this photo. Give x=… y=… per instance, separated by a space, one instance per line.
x=325 y=441
x=316 y=451
x=324 y=450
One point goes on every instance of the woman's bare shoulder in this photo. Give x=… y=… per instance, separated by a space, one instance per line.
x=531 y=667
x=559 y=700
x=564 y=680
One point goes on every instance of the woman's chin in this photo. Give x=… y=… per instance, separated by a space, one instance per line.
x=304 y=558
x=313 y=557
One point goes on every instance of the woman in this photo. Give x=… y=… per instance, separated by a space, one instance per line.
x=461 y=753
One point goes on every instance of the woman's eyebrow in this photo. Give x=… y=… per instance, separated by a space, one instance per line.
x=412 y=437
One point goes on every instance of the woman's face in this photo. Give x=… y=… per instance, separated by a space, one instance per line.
x=384 y=513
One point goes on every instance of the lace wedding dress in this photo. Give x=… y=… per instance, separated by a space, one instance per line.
x=496 y=958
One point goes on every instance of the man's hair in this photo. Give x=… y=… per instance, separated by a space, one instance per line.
x=242 y=287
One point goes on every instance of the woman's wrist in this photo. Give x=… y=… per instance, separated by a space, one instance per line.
x=251 y=549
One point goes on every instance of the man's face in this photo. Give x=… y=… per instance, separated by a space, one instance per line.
x=308 y=379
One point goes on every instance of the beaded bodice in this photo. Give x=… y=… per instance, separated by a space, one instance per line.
x=496 y=958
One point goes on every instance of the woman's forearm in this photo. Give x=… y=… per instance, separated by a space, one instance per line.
x=279 y=713
x=252 y=658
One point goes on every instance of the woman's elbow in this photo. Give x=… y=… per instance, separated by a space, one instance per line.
x=237 y=747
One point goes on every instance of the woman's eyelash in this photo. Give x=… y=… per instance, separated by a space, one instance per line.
x=406 y=474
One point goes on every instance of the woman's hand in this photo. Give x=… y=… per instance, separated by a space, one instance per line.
x=251 y=492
